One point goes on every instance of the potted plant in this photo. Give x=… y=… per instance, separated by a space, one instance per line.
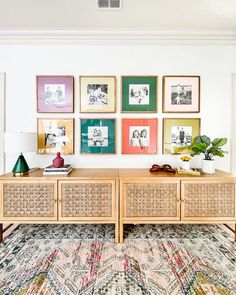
x=203 y=145
x=185 y=162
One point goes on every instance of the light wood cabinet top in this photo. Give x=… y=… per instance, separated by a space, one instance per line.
x=116 y=174
x=76 y=173
x=144 y=173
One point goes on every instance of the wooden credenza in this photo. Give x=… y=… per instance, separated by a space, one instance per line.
x=166 y=198
x=118 y=196
x=85 y=196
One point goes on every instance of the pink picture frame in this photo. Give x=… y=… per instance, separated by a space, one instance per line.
x=139 y=136
x=181 y=94
x=55 y=94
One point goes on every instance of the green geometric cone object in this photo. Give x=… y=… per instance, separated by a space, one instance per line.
x=21 y=165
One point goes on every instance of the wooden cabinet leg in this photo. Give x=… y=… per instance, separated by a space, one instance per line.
x=121 y=233
x=117 y=233
x=235 y=232
x=121 y=210
x=117 y=224
x=1 y=232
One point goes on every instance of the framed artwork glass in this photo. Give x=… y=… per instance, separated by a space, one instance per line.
x=98 y=136
x=181 y=94
x=178 y=134
x=98 y=94
x=139 y=136
x=56 y=135
x=139 y=94
x=55 y=94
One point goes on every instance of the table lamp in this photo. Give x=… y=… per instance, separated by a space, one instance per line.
x=18 y=143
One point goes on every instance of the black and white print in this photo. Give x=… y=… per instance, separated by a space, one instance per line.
x=54 y=94
x=139 y=136
x=97 y=94
x=181 y=94
x=98 y=136
x=139 y=94
x=55 y=136
x=181 y=136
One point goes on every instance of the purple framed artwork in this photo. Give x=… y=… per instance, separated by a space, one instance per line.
x=55 y=94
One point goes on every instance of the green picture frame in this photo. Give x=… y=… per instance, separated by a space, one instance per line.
x=139 y=94
x=98 y=136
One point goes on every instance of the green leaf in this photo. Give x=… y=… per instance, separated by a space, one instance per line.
x=202 y=144
x=202 y=139
x=218 y=142
x=200 y=147
x=215 y=151
x=218 y=153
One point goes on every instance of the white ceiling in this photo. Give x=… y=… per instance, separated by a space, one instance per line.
x=218 y=15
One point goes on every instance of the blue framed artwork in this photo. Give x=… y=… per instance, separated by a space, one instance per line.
x=98 y=136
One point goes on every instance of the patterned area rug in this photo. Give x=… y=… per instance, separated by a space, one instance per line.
x=83 y=259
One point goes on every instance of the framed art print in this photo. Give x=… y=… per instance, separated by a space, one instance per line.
x=98 y=136
x=139 y=136
x=178 y=134
x=55 y=94
x=181 y=94
x=139 y=94
x=56 y=135
x=97 y=94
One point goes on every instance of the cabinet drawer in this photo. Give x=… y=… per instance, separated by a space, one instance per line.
x=87 y=199
x=208 y=200
x=28 y=200
x=152 y=200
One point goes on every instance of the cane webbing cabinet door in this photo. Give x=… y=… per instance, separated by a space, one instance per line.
x=28 y=200
x=87 y=200
x=150 y=200
x=208 y=200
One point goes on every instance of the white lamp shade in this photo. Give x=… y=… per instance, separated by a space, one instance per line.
x=20 y=142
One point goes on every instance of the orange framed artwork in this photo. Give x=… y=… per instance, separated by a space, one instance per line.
x=139 y=136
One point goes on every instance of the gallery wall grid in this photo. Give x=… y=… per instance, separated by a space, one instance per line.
x=140 y=117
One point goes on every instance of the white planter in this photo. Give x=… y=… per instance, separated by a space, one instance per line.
x=185 y=165
x=208 y=166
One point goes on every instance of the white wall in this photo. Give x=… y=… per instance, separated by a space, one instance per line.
x=233 y=144
x=2 y=121
x=215 y=65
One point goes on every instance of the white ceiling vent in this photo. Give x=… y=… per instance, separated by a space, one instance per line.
x=109 y=4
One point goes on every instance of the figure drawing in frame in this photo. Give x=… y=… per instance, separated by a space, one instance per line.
x=181 y=94
x=139 y=136
x=181 y=136
x=139 y=94
x=54 y=94
x=97 y=94
x=55 y=136
x=97 y=136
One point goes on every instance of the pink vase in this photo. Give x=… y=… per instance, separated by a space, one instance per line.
x=58 y=162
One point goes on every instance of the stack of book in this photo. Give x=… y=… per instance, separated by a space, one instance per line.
x=51 y=170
